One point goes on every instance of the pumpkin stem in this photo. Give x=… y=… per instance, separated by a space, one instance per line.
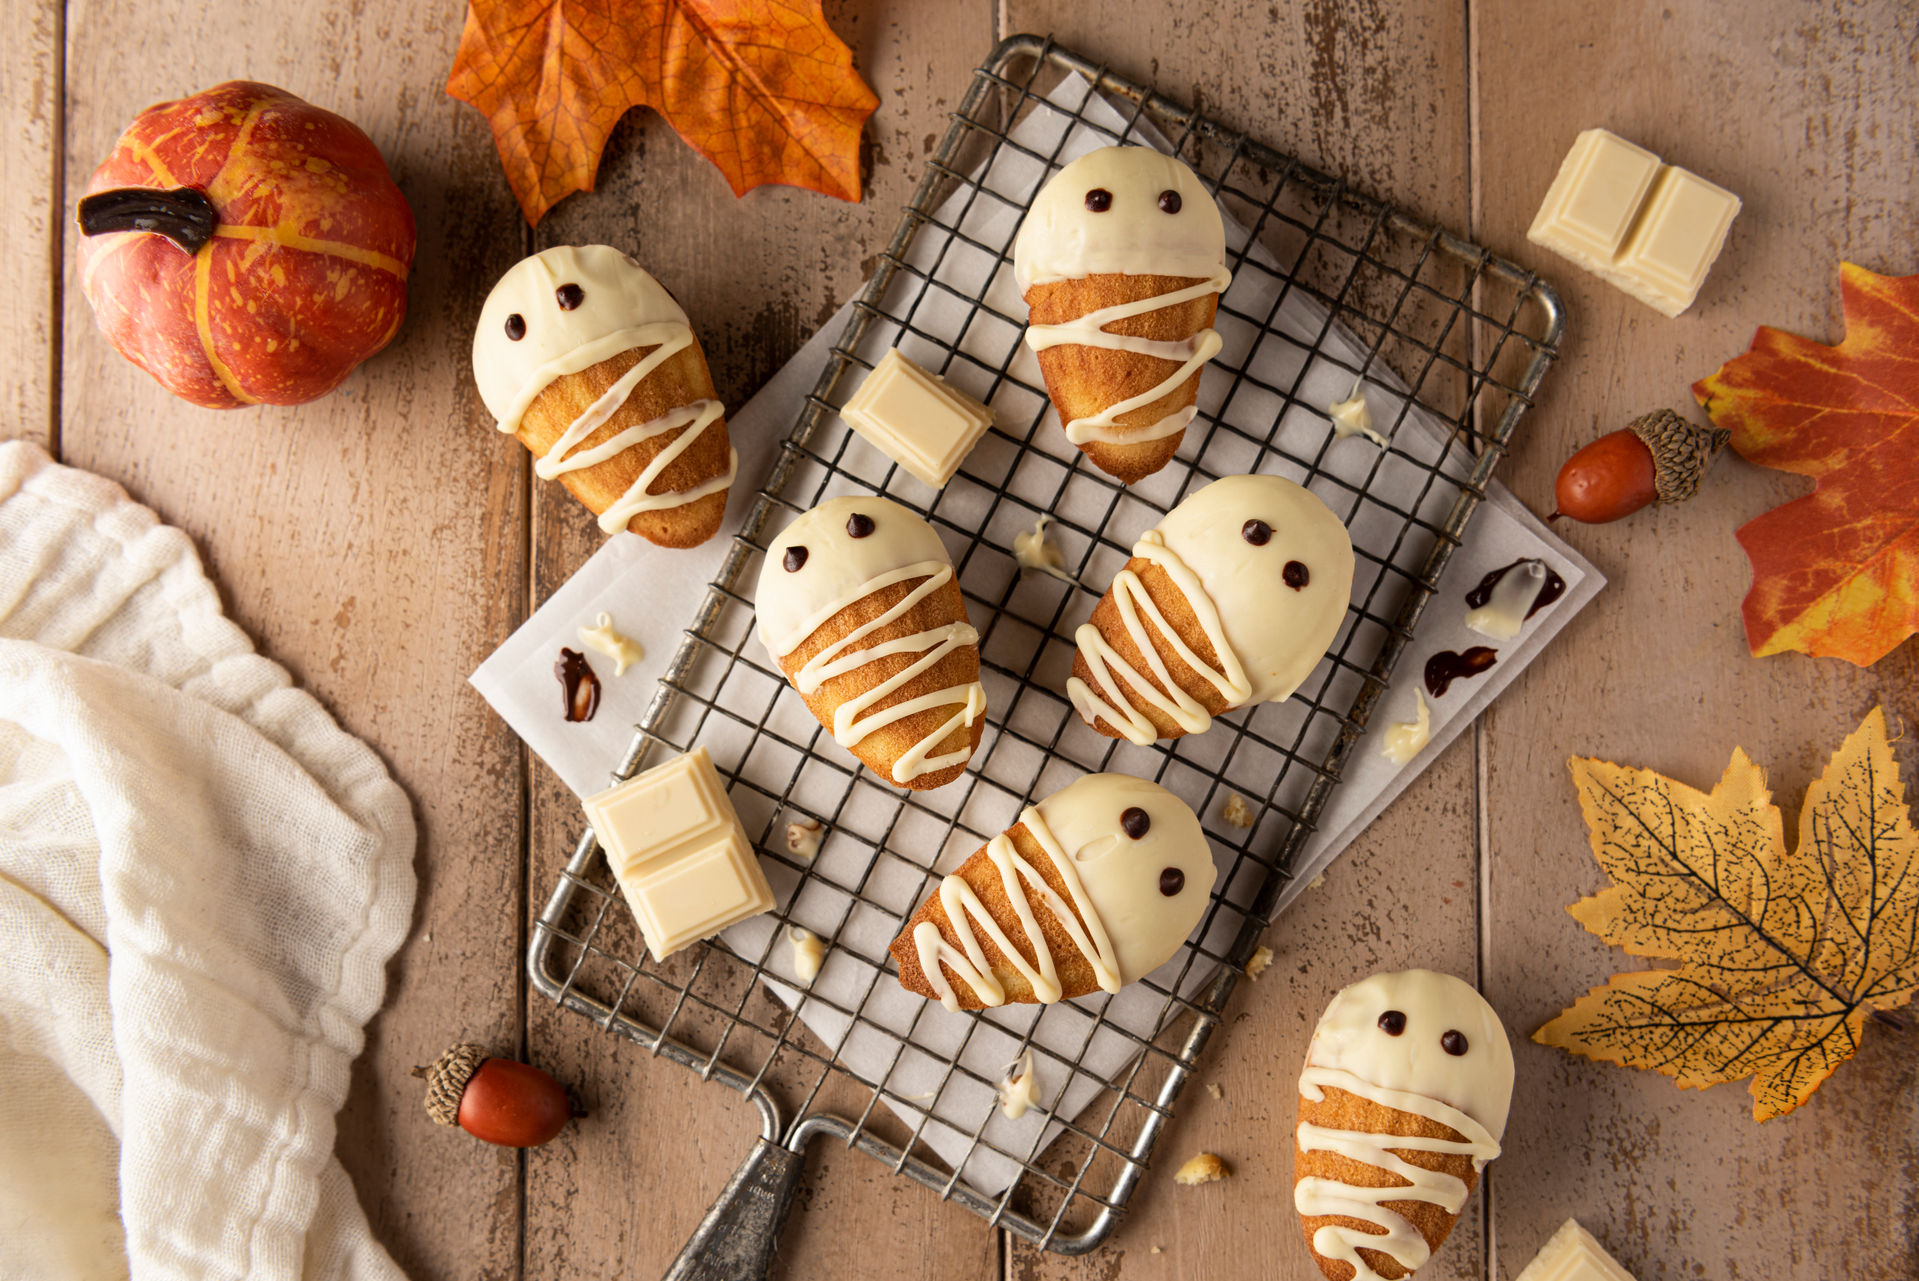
x=184 y=215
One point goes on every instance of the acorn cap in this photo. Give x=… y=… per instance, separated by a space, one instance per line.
x=446 y=1081
x=1681 y=452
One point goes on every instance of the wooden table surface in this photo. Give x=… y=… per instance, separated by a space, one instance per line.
x=436 y=543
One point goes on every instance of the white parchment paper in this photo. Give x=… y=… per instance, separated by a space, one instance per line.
x=901 y=1044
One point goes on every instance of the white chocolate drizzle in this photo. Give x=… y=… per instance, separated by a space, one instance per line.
x=1352 y=417
x=604 y=639
x=1034 y=551
x=1400 y=1239
x=1403 y=740
x=1019 y=1088
x=786 y=623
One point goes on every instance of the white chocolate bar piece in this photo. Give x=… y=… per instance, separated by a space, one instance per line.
x=1574 y=1255
x=677 y=849
x=1648 y=228
x=916 y=419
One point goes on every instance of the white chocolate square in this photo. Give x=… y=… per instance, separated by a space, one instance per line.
x=676 y=846
x=916 y=419
x=1573 y=1254
x=1647 y=228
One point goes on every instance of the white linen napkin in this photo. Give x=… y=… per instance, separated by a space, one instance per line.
x=202 y=878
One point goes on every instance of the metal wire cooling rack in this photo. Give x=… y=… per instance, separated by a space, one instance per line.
x=1471 y=334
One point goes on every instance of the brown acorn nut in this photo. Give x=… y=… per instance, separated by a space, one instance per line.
x=1659 y=457
x=514 y=1105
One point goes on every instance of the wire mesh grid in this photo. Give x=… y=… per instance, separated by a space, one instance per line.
x=1470 y=335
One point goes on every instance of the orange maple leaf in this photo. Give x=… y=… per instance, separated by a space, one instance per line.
x=762 y=88
x=1835 y=573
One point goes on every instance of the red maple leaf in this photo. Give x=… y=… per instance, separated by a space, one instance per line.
x=762 y=88
x=1835 y=573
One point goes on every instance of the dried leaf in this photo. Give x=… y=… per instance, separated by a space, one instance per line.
x=762 y=88
x=1782 y=957
x=1835 y=573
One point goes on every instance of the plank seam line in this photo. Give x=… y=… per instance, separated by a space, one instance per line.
x=56 y=232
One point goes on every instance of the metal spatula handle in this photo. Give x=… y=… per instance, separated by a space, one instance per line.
x=735 y=1240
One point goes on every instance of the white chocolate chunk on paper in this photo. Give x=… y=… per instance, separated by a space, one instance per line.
x=1574 y=1254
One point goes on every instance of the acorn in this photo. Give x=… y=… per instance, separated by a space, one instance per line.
x=1657 y=458
x=515 y=1105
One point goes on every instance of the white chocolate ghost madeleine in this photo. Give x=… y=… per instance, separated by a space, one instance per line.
x=1230 y=600
x=591 y=363
x=1121 y=261
x=1096 y=886
x=858 y=605
x=1403 y=1101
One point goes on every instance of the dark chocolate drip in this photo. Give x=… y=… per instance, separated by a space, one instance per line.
x=1445 y=667
x=184 y=215
x=581 y=685
x=1553 y=588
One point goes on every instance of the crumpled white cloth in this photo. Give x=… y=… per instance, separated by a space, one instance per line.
x=202 y=878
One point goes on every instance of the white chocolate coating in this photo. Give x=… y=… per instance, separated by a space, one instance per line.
x=1061 y=239
x=1267 y=636
x=1113 y=881
x=1404 y=740
x=1510 y=600
x=623 y=307
x=1410 y=1072
x=840 y=569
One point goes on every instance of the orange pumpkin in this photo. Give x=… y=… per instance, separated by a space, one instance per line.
x=245 y=247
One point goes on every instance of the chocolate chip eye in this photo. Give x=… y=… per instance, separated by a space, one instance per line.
x=1169 y=202
x=859 y=525
x=795 y=558
x=569 y=296
x=1256 y=532
x=1392 y=1022
x=1134 y=822
x=515 y=327
x=1171 y=881
x=1296 y=575
x=1454 y=1043
x=1099 y=200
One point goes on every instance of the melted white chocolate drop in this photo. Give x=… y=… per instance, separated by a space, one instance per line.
x=1019 y=1088
x=604 y=639
x=1353 y=417
x=1511 y=599
x=1404 y=740
x=809 y=951
x=1034 y=551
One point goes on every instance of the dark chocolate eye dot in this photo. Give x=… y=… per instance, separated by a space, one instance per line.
x=1169 y=202
x=1454 y=1043
x=794 y=559
x=1099 y=200
x=1171 y=881
x=1134 y=822
x=1392 y=1022
x=1256 y=532
x=859 y=524
x=1296 y=575
x=569 y=296
x=515 y=327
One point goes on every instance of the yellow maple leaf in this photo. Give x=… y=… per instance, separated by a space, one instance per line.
x=1782 y=956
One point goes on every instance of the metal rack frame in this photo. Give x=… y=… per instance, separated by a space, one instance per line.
x=1471 y=333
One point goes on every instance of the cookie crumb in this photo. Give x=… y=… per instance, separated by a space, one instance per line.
x=1256 y=965
x=1212 y=1088
x=1204 y=1168
x=1157 y=1250
x=1236 y=811
x=803 y=838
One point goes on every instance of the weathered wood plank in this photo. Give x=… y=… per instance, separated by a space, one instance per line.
x=373 y=542
x=757 y=275
x=30 y=66
x=1805 y=111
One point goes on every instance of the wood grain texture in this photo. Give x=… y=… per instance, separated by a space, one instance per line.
x=756 y=275
x=373 y=542
x=1800 y=110
x=30 y=66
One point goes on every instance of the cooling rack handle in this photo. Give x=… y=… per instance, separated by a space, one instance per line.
x=735 y=1240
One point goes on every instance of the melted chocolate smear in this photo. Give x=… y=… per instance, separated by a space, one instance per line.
x=1296 y=575
x=581 y=685
x=515 y=327
x=569 y=296
x=1392 y=1022
x=1454 y=1043
x=859 y=525
x=1171 y=881
x=1099 y=200
x=1134 y=821
x=1552 y=590
x=795 y=558
x=1169 y=202
x=1445 y=667
x=1256 y=532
